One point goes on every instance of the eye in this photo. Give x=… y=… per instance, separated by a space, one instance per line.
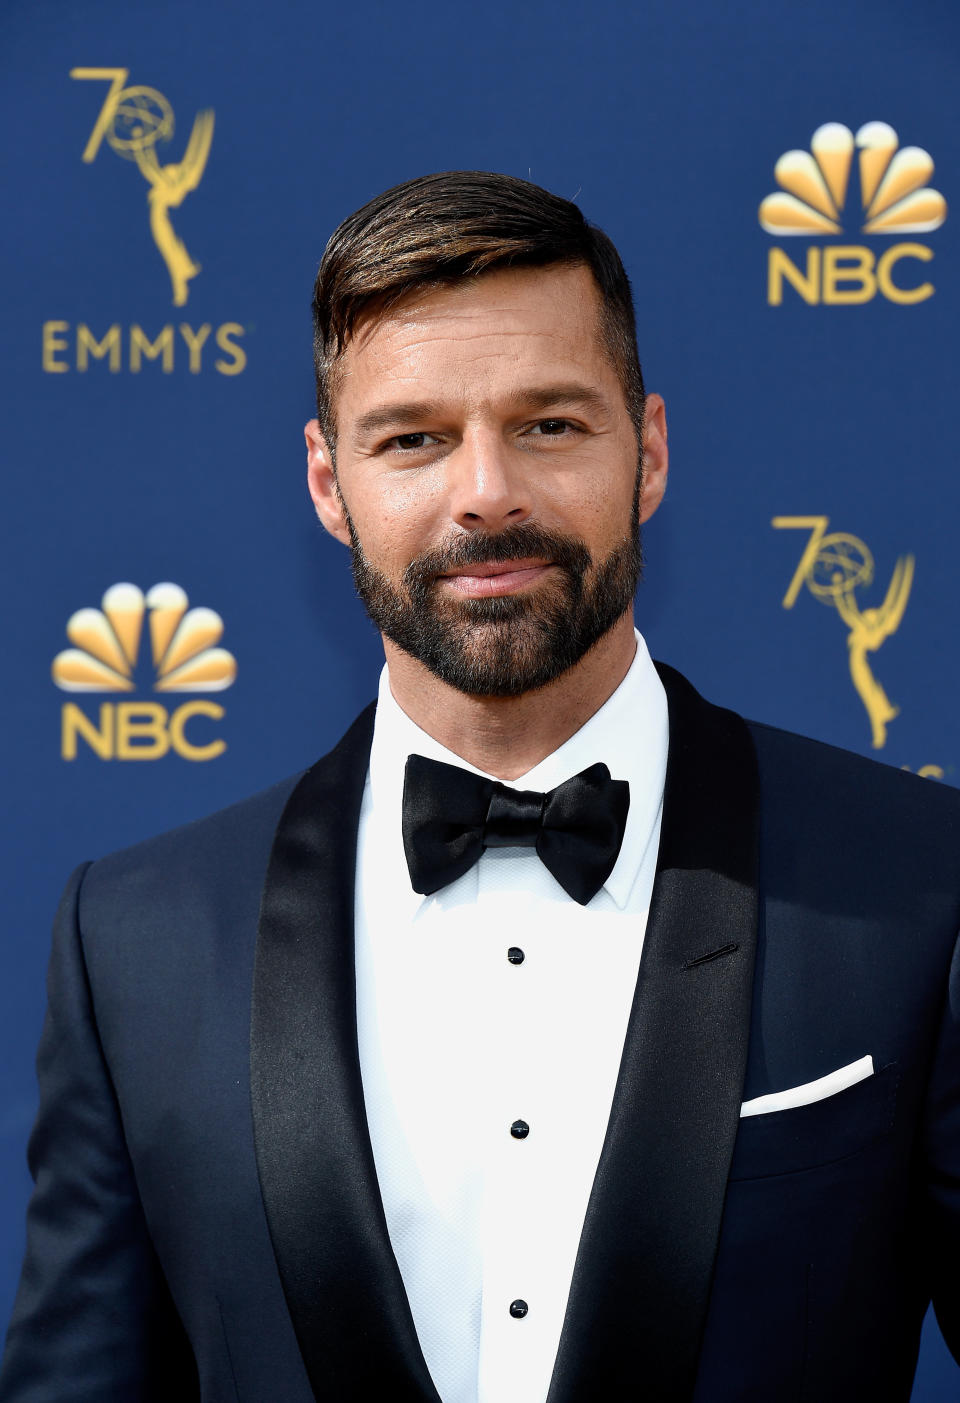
x=410 y=443
x=551 y=428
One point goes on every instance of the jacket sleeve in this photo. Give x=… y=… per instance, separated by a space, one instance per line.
x=943 y=1166
x=93 y=1320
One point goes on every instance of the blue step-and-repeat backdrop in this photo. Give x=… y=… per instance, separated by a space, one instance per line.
x=779 y=179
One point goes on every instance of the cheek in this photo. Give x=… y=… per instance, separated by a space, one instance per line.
x=599 y=505
x=396 y=519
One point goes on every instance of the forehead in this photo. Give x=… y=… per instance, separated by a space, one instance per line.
x=479 y=335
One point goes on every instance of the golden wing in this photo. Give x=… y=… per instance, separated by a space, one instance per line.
x=194 y=163
x=892 y=609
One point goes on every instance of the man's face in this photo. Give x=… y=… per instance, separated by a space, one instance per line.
x=487 y=477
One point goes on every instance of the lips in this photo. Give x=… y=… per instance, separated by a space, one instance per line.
x=492 y=577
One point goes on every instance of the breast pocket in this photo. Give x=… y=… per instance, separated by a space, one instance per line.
x=783 y=1142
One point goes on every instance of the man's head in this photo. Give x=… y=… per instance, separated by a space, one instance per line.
x=446 y=228
x=478 y=384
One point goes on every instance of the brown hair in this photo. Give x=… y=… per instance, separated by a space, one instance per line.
x=435 y=230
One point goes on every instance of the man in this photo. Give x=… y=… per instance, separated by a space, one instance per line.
x=559 y=1035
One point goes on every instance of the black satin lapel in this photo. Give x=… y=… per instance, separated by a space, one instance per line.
x=317 y=1174
x=641 y=1284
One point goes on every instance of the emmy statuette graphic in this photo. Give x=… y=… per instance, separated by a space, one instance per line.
x=834 y=567
x=135 y=121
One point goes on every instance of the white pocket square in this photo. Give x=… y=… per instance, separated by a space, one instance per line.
x=810 y=1091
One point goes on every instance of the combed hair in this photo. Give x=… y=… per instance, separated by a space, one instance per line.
x=439 y=229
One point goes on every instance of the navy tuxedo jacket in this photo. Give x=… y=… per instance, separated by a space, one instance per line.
x=207 y=1222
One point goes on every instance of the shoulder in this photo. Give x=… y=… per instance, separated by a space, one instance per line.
x=221 y=860
x=829 y=819
x=806 y=769
x=221 y=850
x=801 y=769
x=863 y=833
x=812 y=767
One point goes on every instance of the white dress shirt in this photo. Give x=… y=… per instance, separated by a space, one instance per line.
x=457 y=1043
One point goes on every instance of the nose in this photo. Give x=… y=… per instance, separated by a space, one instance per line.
x=487 y=489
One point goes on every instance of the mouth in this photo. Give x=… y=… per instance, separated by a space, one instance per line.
x=493 y=577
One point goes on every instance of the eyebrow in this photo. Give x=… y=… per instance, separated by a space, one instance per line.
x=583 y=396
x=388 y=416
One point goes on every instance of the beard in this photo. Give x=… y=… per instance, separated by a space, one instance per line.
x=502 y=645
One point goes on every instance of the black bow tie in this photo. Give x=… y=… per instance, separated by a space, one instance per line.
x=450 y=815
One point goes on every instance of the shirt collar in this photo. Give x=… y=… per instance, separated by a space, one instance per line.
x=628 y=734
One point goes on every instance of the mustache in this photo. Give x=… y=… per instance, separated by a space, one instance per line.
x=512 y=543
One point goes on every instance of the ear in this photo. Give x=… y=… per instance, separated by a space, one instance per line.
x=323 y=484
x=655 y=456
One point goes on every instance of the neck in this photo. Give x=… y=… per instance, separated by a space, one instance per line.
x=507 y=736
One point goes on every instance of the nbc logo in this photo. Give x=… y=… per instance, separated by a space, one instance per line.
x=812 y=200
x=184 y=658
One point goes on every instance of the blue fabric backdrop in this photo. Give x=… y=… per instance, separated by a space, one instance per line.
x=156 y=356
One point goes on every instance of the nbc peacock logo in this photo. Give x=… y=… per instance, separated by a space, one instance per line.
x=184 y=656
x=815 y=199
